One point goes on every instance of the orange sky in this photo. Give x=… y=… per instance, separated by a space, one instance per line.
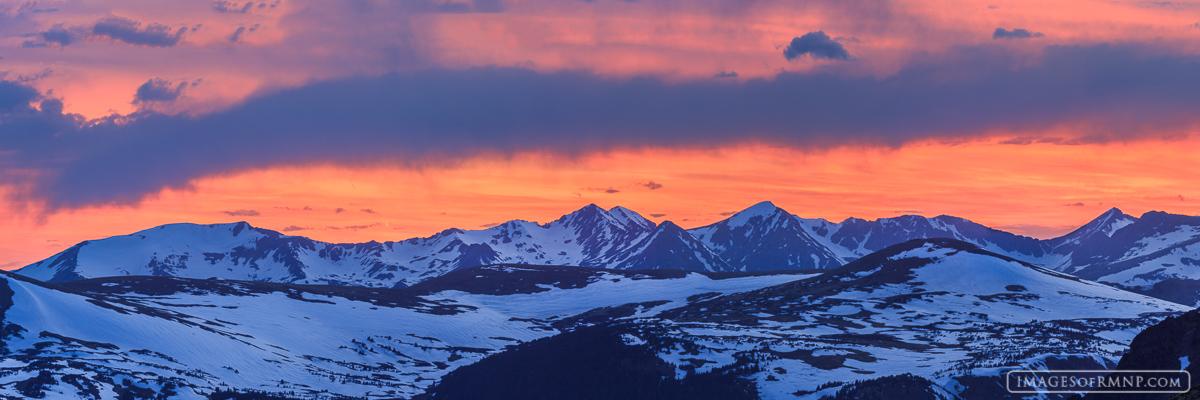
x=1033 y=189
x=1041 y=190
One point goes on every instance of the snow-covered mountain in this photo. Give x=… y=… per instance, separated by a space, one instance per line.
x=1156 y=254
x=590 y=237
x=765 y=237
x=855 y=237
x=941 y=317
x=945 y=312
x=1103 y=226
x=173 y=338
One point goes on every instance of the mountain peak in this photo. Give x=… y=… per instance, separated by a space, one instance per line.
x=586 y=211
x=668 y=225
x=1105 y=224
x=591 y=207
x=630 y=218
x=672 y=247
x=589 y=215
x=240 y=226
x=762 y=209
x=765 y=207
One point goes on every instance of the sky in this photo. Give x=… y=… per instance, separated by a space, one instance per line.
x=364 y=120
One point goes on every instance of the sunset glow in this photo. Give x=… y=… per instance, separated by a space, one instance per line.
x=469 y=114
x=1005 y=186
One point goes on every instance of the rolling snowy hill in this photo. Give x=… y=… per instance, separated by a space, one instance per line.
x=185 y=339
x=943 y=317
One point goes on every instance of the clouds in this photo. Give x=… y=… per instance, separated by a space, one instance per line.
x=237 y=34
x=118 y=29
x=1017 y=33
x=60 y=36
x=415 y=119
x=241 y=213
x=223 y=6
x=158 y=90
x=240 y=33
x=817 y=45
x=131 y=32
x=15 y=96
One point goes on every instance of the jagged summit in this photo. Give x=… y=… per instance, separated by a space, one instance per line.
x=671 y=247
x=631 y=218
x=1155 y=253
x=762 y=209
x=1105 y=224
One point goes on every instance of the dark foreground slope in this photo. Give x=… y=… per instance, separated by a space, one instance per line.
x=1171 y=345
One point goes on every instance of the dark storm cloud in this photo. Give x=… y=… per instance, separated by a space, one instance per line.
x=816 y=45
x=1018 y=33
x=15 y=96
x=415 y=119
x=130 y=31
x=158 y=90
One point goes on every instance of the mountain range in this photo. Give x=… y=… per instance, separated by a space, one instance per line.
x=926 y=318
x=1155 y=254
